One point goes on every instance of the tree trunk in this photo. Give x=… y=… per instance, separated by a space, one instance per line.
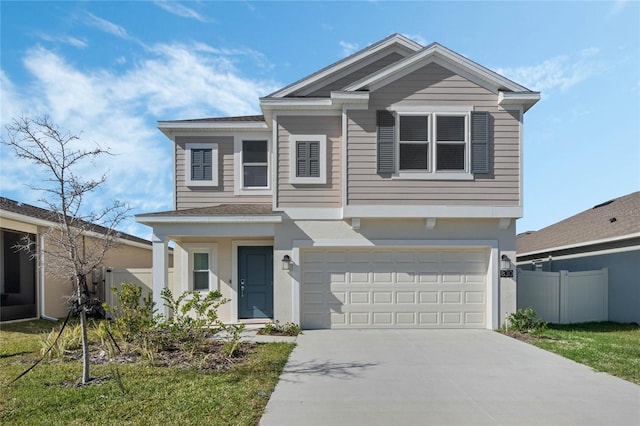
x=85 y=346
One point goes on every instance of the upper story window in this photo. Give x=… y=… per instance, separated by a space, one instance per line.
x=308 y=159
x=433 y=145
x=252 y=164
x=201 y=164
x=255 y=164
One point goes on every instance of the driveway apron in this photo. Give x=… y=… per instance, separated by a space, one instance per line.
x=435 y=377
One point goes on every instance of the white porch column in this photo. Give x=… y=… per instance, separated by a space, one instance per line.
x=159 y=274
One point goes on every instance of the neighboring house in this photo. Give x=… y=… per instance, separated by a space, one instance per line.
x=605 y=236
x=27 y=288
x=380 y=191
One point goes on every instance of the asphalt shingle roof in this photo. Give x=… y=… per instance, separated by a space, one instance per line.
x=610 y=219
x=219 y=210
x=28 y=210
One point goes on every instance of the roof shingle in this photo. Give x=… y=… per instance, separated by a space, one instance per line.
x=611 y=219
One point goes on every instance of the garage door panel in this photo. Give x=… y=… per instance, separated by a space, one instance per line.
x=426 y=288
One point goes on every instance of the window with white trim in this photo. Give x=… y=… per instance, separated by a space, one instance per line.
x=201 y=164
x=308 y=159
x=200 y=267
x=255 y=164
x=433 y=143
x=201 y=271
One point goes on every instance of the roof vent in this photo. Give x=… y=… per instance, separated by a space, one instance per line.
x=613 y=219
x=606 y=203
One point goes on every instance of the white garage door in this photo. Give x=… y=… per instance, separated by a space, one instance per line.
x=394 y=288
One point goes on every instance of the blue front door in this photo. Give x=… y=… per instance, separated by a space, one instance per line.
x=255 y=282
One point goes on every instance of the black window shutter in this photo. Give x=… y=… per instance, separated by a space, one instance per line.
x=386 y=142
x=302 y=159
x=479 y=142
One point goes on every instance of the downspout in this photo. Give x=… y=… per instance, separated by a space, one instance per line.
x=41 y=278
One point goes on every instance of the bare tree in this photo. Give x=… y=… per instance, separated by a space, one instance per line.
x=79 y=242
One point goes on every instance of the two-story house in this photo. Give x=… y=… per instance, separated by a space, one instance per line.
x=380 y=191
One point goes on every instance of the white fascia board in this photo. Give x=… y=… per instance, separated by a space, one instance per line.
x=308 y=213
x=431 y=54
x=170 y=127
x=340 y=65
x=581 y=254
x=341 y=95
x=152 y=220
x=294 y=102
x=583 y=244
x=409 y=211
x=518 y=99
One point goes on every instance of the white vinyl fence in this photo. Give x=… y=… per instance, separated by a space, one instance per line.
x=141 y=277
x=565 y=297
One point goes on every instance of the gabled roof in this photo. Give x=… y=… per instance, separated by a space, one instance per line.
x=612 y=220
x=12 y=209
x=449 y=59
x=395 y=42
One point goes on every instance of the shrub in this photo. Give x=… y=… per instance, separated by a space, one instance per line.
x=287 y=329
x=524 y=321
x=194 y=317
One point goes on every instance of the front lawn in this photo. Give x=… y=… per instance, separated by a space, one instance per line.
x=131 y=393
x=604 y=346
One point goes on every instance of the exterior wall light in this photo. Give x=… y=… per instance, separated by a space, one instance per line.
x=286 y=263
x=505 y=267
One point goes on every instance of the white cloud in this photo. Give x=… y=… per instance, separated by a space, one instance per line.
x=348 y=48
x=105 y=26
x=72 y=41
x=616 y=8
x=181 y=10
x=558 y=73
x=119 y=111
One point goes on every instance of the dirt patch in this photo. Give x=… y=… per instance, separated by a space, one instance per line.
x=209 y=357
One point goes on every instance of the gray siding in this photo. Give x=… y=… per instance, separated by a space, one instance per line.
x=434 y=85
x=328 y=195
x=192 y=197
x=363 y=72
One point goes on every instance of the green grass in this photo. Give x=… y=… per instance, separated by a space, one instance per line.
x=604 y=346
x=152 y=395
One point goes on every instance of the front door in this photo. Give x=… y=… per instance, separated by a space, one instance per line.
x=255 y=282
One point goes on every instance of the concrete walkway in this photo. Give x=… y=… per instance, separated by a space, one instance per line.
x=437 y=377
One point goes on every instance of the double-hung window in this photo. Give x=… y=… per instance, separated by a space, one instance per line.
x=414 y=143
x=255 y=165
x=451 y=142
x=201 y=164
x=308 y=159
x=200 y=271
x=200 y=264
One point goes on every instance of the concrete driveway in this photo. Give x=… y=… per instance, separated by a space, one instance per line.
x=457 y=377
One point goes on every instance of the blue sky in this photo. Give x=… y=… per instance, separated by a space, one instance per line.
x=110 y=70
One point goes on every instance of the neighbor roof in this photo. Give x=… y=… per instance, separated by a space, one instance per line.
x=17 y=207
x=612 y=219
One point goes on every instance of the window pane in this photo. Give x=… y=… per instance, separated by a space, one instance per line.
x=414 y=128
x=201 y=280
x=254 y=151
x=450 y=128
x=255 y=176
x=414 y=156
x=450 y=156
x=200 y=261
